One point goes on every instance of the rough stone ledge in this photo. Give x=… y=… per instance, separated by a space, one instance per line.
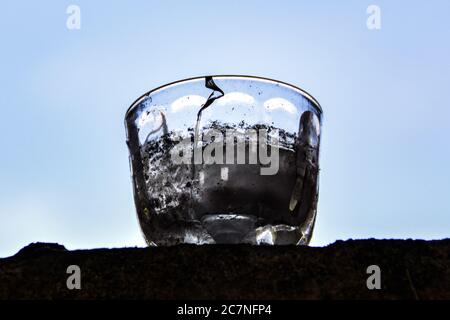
x=410 y=269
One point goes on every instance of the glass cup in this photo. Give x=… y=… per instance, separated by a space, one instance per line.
x=225 y=159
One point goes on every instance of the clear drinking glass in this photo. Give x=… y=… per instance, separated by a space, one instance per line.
x=225 y=159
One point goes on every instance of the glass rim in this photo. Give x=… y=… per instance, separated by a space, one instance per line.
x=167 y=85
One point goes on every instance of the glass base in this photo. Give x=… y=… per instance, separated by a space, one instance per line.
x=229 y=229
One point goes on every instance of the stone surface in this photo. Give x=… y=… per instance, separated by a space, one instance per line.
x=409 y=270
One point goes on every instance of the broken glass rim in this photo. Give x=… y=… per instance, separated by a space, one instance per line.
x=178 y=82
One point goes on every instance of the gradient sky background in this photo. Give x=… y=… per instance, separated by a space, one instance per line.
x=385 y=157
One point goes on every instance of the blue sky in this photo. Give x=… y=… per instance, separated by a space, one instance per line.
x=64 y=174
